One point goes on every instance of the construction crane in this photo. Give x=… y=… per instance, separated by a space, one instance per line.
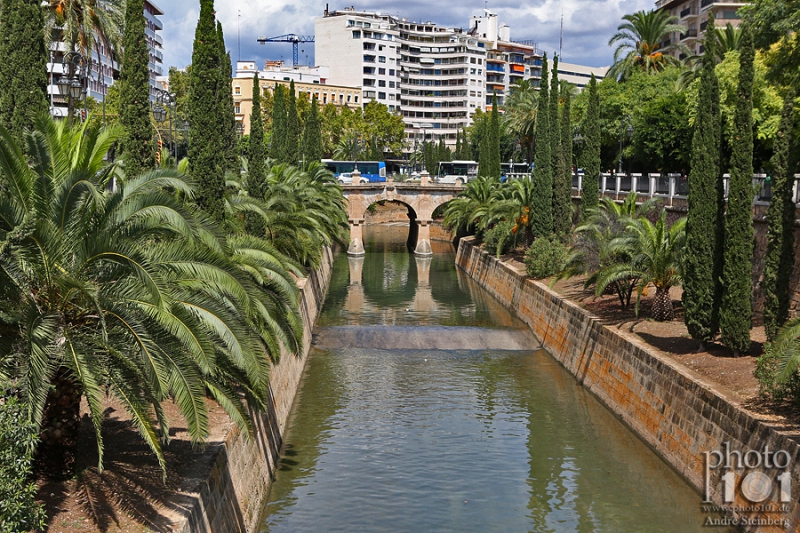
x=289 y=38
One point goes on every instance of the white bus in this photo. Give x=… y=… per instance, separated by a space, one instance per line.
x=457 y=172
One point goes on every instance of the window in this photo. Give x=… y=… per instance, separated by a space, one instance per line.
x=348 y=97
x=356 y=34
x=381 y=83
x=356 y=98
x=381 y=96
x=237 y=90
x=237 y=109
x=391 y=85
x=381 y=71
x=391 y=72
x=381 y=59
x=391 y=108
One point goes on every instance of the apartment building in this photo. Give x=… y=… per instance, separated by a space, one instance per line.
x=694 y=15
x=580 y=75
x=103 y=69
x=304 y=83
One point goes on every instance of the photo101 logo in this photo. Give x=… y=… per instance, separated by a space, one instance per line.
x=761 y=481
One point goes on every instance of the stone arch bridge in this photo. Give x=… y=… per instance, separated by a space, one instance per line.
x=420 y=199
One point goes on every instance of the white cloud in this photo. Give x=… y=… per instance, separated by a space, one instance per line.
x=588 y=24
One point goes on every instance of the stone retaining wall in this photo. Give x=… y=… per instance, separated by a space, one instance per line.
x=230 y=499
x=673 y=409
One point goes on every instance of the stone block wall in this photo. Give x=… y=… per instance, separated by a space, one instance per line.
x=673 y=409
x=230 y=499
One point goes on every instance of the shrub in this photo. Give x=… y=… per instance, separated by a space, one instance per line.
x=546 y=257
x=499 y=239
x=767 y=368
x=18 y=508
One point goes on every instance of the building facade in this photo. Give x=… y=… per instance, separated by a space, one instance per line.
x=580 y=75
x=694 y=15
x=103 y=69
x=242 y=87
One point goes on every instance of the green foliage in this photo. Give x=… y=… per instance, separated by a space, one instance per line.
x=227 y=116
x=547 y=256
x=779 y=261
x=23 y=69
x=256 y=156
x=562 y=187
x=770 y=382
x=157 y=305
x=205 y=135
x=591 y=152
x=278 y=148
x=494 y=169
x=776 y=28
x=640 y=38
x=137 y=143
x=555 y=141
x=736 y=310
x=520 y=117
x=701 y=289
x=312 y=136
x=499 y=239
x=542 y=210
x=292 y=127
x=468 y=212
x=19 y=511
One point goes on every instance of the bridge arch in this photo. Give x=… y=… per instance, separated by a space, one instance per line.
x=421 y=199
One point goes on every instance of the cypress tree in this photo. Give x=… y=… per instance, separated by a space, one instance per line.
x=312 y=135
x=458 y=145
x=560 y=205
x=542 y=211
x=591 y=166
x=736 y=312
x=277 y=147
x=562 y=188
x=227 y=114
x=292 y=127
x=700 y=275
x=494 y=140
x=23 y=69
x=779 y=261
x=205 y=137
x=484 y=151
x=137 y=143
x=255 y=149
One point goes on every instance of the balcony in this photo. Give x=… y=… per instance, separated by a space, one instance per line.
x=690 y=34
x=687 y=12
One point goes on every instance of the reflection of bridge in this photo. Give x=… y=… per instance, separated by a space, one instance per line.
x=421 y=201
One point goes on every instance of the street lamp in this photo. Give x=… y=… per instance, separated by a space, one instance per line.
x=72 y=83
x=165 y=98
x=626 y=119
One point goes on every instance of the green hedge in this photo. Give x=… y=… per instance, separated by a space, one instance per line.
x=546 y=257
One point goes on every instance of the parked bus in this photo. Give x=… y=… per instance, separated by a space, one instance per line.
x=373 y=171
x=457 y=172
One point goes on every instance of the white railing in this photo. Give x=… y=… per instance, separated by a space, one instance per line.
x=673 y=185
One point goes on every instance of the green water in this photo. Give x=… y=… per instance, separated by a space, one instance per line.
x=399 y=440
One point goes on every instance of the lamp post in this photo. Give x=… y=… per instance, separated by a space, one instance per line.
x=164 y=98
x=626 y=119
x=73 y=81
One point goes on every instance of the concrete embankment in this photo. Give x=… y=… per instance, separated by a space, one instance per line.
x=676 y=411
x=424 y=338
x=230 y=499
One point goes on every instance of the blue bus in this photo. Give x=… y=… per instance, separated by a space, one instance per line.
x=373 y=171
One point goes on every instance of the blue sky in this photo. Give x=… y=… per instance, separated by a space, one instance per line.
x=588 y=24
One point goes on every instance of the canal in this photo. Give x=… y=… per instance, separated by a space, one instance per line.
x=427 y=407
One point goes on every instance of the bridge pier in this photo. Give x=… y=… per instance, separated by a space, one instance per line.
x=424 y=238
x=356 y=237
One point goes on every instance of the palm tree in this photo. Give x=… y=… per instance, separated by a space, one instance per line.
x=514 y=202
x=640 y=38
x=520 y=116
x=653 y=253
x=727 y=41
x=127 y=291
x=470 y=211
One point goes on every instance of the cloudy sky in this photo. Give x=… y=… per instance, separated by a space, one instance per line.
x=588 y=24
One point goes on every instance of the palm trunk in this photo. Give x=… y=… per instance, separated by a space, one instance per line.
x=662 y=305
x=61 y=424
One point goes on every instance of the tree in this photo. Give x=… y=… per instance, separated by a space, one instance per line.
x=653 y=254
x=493 y=144
x=640 y=38
x=205 y=137
x=776 y=28
x=466 y=213
x=562 y=178
x=312 y=137
x=542 y=212
x=560 y=204
x=23 y=70
x=256 y=158
x=520 y=117
x=736 y=311
x=701 y=282
x=383 y=128
x=591 y=164
x=227 y=116
x=292 y=127
x=779 y=261
x=278 y=145
x=159 y=305
x=137 y=143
